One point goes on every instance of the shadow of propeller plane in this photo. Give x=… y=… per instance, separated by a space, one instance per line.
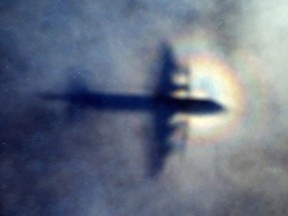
x=161 y=105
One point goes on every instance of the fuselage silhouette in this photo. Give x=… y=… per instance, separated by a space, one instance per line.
x=102 y=101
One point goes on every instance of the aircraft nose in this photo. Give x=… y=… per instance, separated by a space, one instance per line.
x=204 y=107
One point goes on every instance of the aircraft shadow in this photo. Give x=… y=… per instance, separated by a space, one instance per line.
x=160 y=105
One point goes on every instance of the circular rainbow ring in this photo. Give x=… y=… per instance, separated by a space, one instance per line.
x=233 y=82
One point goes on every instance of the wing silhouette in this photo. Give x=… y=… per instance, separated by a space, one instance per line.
x=161 y=148
x=168 y=66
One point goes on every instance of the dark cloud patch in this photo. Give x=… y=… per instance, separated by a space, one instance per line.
x=6 y=4
x=12 y=62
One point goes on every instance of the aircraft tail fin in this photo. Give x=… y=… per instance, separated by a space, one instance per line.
x=76 y=91
x=74 y=95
